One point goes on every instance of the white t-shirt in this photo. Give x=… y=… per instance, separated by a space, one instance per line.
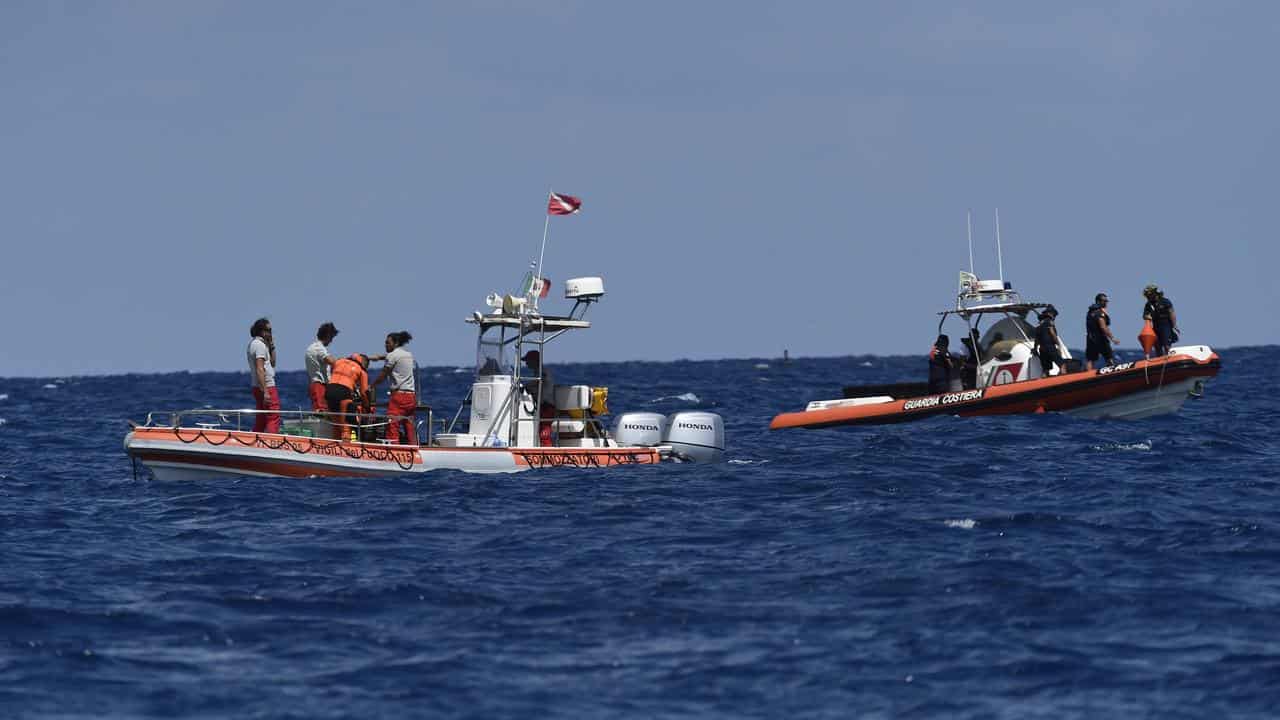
x=401 y=363
x=317 y=368
x=258 y=349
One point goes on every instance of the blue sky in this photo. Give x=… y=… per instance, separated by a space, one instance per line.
x=755 y=176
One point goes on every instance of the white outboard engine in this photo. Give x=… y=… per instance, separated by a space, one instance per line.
x=695 y=436
x=640 y=429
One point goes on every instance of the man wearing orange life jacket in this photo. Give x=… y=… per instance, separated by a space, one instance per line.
x=348 y=382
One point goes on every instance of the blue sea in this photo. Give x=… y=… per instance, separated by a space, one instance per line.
x=1007 y=567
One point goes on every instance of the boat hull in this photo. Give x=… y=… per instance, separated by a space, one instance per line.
x=1133 y=390
x=203 y=453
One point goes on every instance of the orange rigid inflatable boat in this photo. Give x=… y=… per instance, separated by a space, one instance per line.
x=1129 y=390
x=1008 y=377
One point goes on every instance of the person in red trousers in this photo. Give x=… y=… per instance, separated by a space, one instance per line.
x=318 y=361
x=403 y=403
x=262 y=377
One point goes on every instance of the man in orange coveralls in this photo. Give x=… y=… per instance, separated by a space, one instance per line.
x=348 y=382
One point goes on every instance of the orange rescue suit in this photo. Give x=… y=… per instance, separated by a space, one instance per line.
x=349 y=373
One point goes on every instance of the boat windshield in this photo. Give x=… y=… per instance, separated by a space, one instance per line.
x=1011 y=330
x=494 y=352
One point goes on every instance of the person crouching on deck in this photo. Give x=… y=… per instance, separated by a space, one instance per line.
x=403 y=402
x=348 y=382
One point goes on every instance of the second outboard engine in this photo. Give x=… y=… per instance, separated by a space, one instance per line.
x=640 y=429
x=695 y=436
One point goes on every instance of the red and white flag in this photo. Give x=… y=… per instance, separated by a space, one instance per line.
x=541 y=287
x=563 y=204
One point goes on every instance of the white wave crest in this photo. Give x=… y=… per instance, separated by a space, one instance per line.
x=4 y=396
x=3 y=421
x=746 y=462
x=867 y=363
x=762 y=366
x=683 y=397
x=461 y=370
x=50 y=386
x=1143 y=446
x=965 y=524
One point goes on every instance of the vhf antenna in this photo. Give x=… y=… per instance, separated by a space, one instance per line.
x=968 y=221
x=999 y=252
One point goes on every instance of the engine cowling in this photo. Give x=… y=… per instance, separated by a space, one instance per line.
x=642 y=429
x=695 y=436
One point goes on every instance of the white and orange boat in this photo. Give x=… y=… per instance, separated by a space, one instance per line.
x=506 y=431
x=1008 y=377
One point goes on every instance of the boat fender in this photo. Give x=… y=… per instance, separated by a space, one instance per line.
x=1147 y=338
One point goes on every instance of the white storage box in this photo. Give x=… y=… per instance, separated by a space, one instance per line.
x=573 y=397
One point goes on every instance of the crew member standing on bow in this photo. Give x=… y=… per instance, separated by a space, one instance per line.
x=1046 y=345
x=262 y=377
x=1097 y=333
x=348 y=383
x=941 y=363
x=403 y=403
x=318 y=362
x=1159 y=310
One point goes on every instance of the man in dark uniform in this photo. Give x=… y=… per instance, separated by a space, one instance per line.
x=1163 y=319
x=969 y=367
x=1097 y=333
x=940 y=365
x=1046 y=345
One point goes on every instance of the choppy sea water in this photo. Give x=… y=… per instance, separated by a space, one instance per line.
x=1035 y=566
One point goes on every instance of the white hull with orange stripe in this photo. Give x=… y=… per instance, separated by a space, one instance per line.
x=200 y=453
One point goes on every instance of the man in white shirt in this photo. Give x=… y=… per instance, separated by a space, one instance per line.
x=262 y=377
x=318 y=361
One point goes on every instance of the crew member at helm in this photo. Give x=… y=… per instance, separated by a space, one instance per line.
x=348 y=383
x=1097 y=333
x=1159 y=310
x=972 y=359
x=541 y=387
x=1046 y=345
x=941 y=363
